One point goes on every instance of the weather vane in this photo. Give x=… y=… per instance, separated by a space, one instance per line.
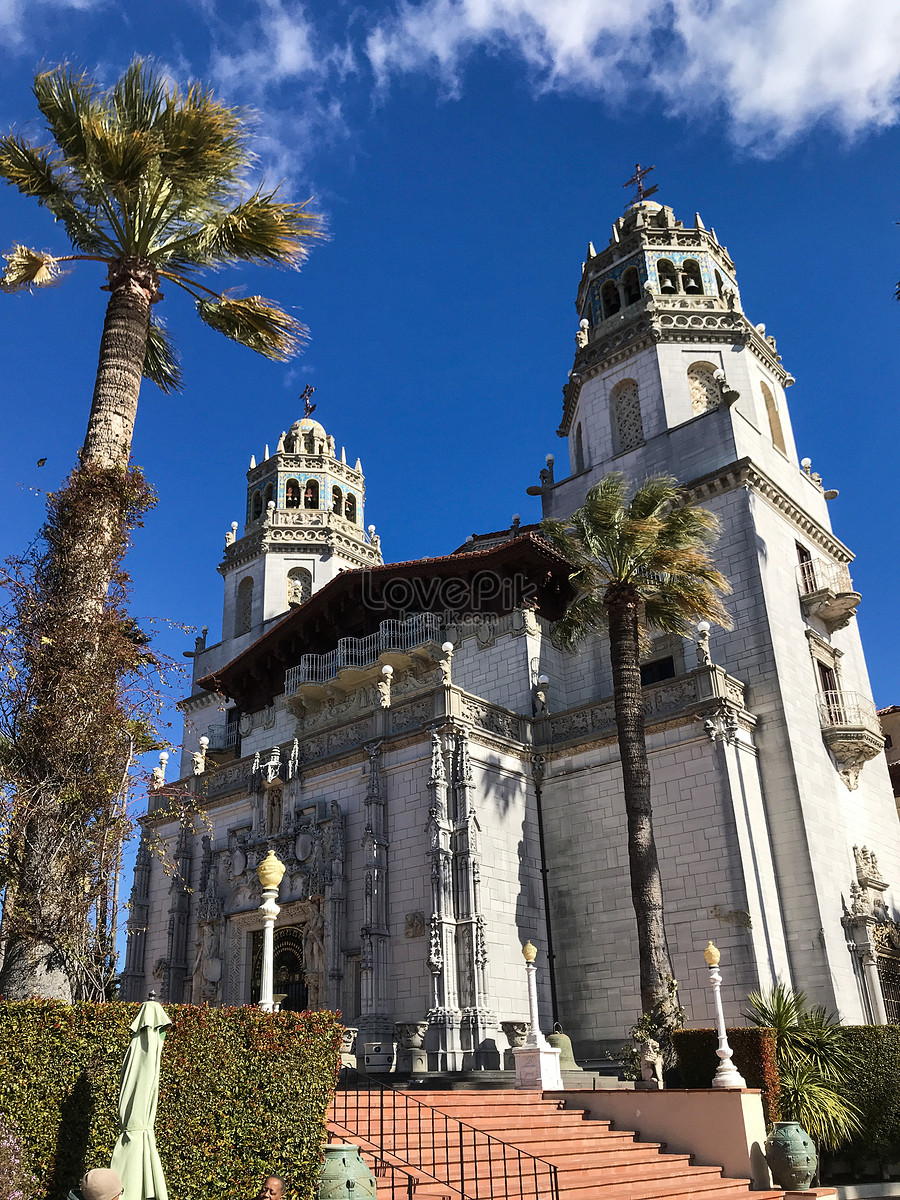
x=637 y=180
x=306 y=396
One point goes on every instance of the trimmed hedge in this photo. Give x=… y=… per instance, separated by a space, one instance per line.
x=242 y=1094
x=875 y=1090
x=753 y=1055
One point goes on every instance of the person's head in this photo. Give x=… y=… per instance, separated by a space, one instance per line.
x=101 y=1184
x=272 y=1188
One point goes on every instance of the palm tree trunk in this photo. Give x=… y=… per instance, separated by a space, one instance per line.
x=134 y=286
x=646 y=882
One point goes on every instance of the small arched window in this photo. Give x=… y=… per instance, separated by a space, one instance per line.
x=612 y=301
x=720 y=287
x=625 y=412
x=350 y=507
x=292 y=493
x=668 y=279
x=311 y=494
x=774 y=419
x=243 y=613
x=337 y=500
x=631 y=284
x=578 y=451
x=704 y=389
x=257 y=506
x=299 y=586
x=693 y=280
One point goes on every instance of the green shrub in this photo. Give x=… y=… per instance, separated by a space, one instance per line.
x=874 y=1088
x=242 y=1094
x=753 y=1055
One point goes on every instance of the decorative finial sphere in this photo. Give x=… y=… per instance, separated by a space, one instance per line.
x=543 y=680
x=712 y=955
x=703 y=627
x=447 y=647
x=270 y=871
x=529 y=952
x=387 y=670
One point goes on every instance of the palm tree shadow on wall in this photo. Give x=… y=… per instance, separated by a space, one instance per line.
x=75 y=1117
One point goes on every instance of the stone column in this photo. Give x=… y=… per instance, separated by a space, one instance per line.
x=537 y=1062
x=375 y=1021
x=727 y=1075
x=270 y=872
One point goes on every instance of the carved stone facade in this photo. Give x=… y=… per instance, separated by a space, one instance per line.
x=435 y=815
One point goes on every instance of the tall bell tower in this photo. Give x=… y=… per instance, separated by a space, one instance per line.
x=671 y=376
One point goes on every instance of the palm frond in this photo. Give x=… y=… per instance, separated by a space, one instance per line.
x=261 y=229
x=256 y=323
x=203 y=144
x=807 y=1097
x=67 y=102
x=27 y=269
x=136 y=99
x=161 y=364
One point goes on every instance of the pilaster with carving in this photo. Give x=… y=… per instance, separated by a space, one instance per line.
x=209 y=949
x=375 y=1020
x=175 y=971
x=133 y=982
x=861 y=922
x=478 y=1021
x=444 y=1014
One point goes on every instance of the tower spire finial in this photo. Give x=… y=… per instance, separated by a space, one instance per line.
x=306 y=396
x=637 y=180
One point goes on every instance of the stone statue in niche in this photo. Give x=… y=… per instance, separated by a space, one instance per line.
x=581 y=337
x=207 y=969
x=314 y=941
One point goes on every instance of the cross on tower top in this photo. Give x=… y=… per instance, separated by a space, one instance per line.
x=637 y=180
x=306 y=396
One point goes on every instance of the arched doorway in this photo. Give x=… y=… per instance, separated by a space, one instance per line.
x=289 y=968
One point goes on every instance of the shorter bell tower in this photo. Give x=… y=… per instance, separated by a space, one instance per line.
x=304 y=523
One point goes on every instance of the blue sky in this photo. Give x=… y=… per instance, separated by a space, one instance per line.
x=463 y=152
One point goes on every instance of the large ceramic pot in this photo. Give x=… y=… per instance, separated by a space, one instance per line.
x=344 y=1175
x=791 y=1156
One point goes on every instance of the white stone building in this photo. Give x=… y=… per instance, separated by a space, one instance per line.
x=443 y=783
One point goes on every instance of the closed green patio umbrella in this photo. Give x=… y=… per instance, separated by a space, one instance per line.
x=135 y=1157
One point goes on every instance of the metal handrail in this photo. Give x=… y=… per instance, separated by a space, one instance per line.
x=847 y=709
x=817 y=575
x=443 y=1143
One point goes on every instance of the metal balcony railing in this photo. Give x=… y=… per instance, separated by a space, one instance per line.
x=222 y=737
x=847 y=710
x=391 y=635
x=817 y=575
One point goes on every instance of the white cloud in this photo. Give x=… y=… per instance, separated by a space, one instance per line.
x=776 y=66
x=17 y=17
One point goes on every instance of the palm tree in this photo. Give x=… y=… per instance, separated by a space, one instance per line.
x=642 y=563
x=148 y=181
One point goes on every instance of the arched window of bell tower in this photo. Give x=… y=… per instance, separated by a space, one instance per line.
x=668 y=277
x=299 y=585
x=337 y=501
x=292 y=493
x=692 y=277
x=578 y=451
x=610 y=298
x=704 y=389
x=720 y=286
x=311 y=494
x=243 y=613
x=774 y=419
x=625 y=413
x=270 y=493
x=350 y=508
x=256 y=506
x=631 y=285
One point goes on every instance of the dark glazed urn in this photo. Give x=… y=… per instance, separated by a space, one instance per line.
x=344 y=1175
x=791 y=1156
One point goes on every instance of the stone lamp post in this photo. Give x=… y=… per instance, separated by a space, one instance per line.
x=537 y=1062
x=727 y=1075
x=270 y=871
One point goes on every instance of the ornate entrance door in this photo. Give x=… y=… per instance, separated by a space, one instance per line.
x=289 y=973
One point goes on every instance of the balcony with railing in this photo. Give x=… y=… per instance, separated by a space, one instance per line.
x=826 y=592
x=851 y=730
x=358 y=655
x=222 y=737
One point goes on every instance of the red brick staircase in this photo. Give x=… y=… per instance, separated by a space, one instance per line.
x=512 y=1145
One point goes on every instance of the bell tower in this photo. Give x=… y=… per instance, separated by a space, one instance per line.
x=304 y=523
x=670 y=376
